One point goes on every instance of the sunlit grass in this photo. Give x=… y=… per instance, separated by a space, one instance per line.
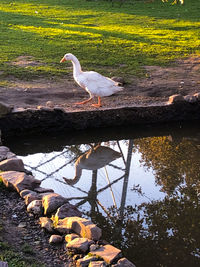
x=120 y=40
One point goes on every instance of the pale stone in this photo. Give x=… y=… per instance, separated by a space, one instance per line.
x=97 y=264
x=108 y=252
x=197 y=95
x=3 y=264
x=85 y=261
x=5 y=153
x=123 y=262
x=175 y=99
x=93 y=247
x=51 y=202
x=19 y=180
x=55 y=239
x=21 y=225
x=80 y=245
x=190 y=98
x=46 y=223
x=84 y=227
x=5 y=109
x=13 y=164
x=70 y=237
x=50 y=104
x=67 y=210
x=35 y=207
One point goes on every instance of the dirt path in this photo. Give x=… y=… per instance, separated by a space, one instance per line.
x=157 y=86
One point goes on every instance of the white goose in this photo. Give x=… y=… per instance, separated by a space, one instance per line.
x=94 y=83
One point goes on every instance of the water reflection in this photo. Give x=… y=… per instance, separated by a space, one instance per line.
x=144 y=193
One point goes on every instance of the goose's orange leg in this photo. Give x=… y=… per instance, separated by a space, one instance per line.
x=84 y=102
x=98 y=105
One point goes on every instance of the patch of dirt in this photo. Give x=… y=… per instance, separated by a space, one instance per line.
x=12 y=215
x=156 y=87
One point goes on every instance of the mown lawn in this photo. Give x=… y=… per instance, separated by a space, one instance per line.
x=118 y=40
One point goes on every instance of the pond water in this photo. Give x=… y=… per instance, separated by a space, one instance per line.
x=140 y=185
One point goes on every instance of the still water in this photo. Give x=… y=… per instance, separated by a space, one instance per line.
x=141 y=186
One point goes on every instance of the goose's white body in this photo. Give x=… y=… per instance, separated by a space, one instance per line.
x=94 y=83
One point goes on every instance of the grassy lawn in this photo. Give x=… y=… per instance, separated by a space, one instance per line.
x=113 y=40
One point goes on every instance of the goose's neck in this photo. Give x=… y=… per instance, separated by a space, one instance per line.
x=76 y=66
x=76 y=177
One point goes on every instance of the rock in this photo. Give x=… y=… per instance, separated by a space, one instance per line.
x=19 y=180
x=123 y=262
x=3 y=264
x=35 y=207
x=31 y=197
x=175 y=99
x=12 y=164
x=51 y=202
x=46 y=223
x=55 y=239
x=85 y=261
x=43 y=190
x=21 y=225
x=80 y=245
x=108 y=252
x=84 y=227
x=25 y=192
x=97 y=264
x=93 y=247
x=197 y=95
x=70 y=237
x=190 y=98
x=5 y=109
x=50 y=104
x=62 y=227
x=67 y=210
x=5 y=153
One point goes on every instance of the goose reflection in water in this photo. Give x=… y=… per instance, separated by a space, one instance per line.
x=95 y=158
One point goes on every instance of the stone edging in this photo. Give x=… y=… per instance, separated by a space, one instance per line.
x=43 y=119
x=58 y=217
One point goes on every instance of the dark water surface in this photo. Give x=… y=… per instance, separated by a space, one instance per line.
x=140 y=185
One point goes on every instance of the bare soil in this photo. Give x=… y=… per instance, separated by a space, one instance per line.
x=160 y=82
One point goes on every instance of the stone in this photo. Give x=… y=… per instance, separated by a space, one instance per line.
x=51 y=202
x=85 y=261
x=30 y=197
x=35 y=207
x=25 y=192
x=97 y=264
x=70 y=237
x=84 y=227
x=93 y=247
x=62 y=227
x=19 y=180
x=55 y=239
x=67 y=210
x=46 y=223
x=80 y=245
x=197 y=95
x=50 y=104
x=119 y=80
x=3 y=264
x=5 y=153
x=175 y=99
x=12 y=164
x=108 y=252
x=21 y=225
x=43 y=190
x=190 y=98
x=123 y=262
x=5 y=109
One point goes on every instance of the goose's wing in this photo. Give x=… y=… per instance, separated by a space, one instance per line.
x=98 y=84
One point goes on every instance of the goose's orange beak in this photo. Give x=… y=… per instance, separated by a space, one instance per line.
x=63 y=60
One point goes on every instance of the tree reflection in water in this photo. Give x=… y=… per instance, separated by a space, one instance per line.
x=164 y=232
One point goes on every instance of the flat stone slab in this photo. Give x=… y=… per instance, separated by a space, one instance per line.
x=19 y=180
x=80 y=245
x=108 y=252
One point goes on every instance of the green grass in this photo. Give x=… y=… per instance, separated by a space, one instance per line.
x=113 y=40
